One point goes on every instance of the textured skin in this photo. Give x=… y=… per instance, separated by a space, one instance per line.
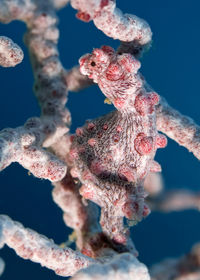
x=113 y=22
x=124 y=266
x=10 y=53
x=28 y=244
x=113 y=154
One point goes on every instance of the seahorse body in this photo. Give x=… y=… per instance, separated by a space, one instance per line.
x=113 y=154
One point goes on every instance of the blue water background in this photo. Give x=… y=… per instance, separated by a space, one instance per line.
x=171 y=67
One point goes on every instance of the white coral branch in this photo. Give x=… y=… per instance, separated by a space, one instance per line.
x=22 y=145
x=111 y=20
x=58 y=4
x=10 y=53
x=178 y=127
x=16 y=9
x=175 y=200
x=124 y=266
x=33 y=246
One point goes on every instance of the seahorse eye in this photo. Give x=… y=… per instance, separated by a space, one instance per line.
x=93 y=64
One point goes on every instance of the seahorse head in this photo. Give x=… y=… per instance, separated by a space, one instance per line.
x=105 y=61
x=115 y=73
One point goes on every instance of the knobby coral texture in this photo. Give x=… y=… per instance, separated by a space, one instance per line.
x=105 y=178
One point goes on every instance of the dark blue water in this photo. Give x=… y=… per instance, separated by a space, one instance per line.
x=172 y=67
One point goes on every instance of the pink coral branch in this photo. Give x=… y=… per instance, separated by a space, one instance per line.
x=123 y=266
x=178 y=127
x=169 y=200
x=175 y=200
x=16 y=9
x=30 y=245
x=77 y=81
x=50 y=88
x=22 y=145
x=64 y=261
x=82 y=217
x=108 y=18
x=184 y=268
x=153 y=184
x=10 y=53
x=133 y=32
x=42 y=38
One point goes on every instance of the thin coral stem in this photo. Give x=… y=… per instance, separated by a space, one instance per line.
x=83 y=218
x=175 y=200
x=77 y=81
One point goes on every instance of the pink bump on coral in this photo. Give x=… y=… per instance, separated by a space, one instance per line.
x=144 y=103
x=92 y=141
x=155 y=166
x=83 y=16
x=143 y=144
x=161 y=141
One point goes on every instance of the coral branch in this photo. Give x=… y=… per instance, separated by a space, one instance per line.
x=22 y=145
x=42 y=38
x=181 y=129
x=123 y=266
x=169 y=200
x=153 y=184
x=82 y=218
x=16 y=9
x=2 y=266
x=50 y=87
x=77 y=81
x=184 y=268
x=175 y=200
x=58 y=4
x=30 y=245
x=112 y=21
x=10 y=53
